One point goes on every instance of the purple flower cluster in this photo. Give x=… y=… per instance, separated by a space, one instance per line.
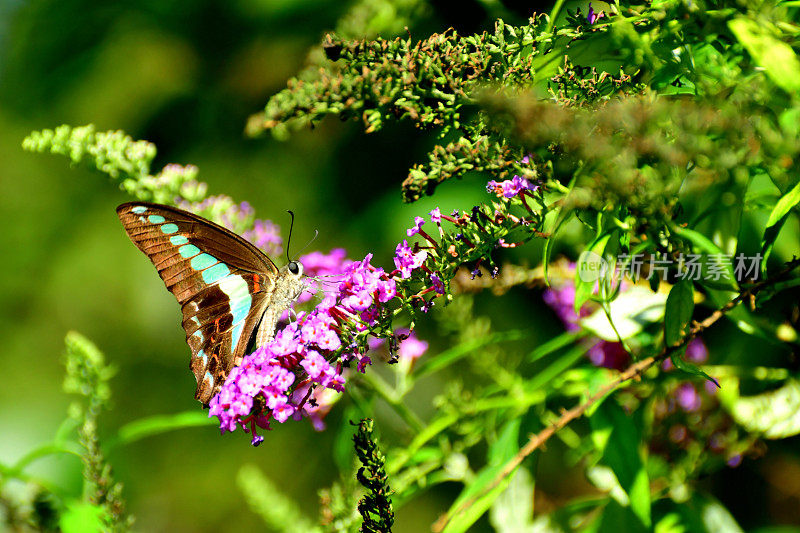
x=513 y=187
x=267 y=236
x=287 y=377
x=509 y=188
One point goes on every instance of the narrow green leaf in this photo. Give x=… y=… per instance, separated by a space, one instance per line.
x=784 y=205
x=548 y=244
x=777 y=218
x=776 y=57
x=512 y=512
x=154 y=425
x=680 y=306
x=553 y=345
x=681 y=364
x=556 y=368
x=503 y=450
x=714 y=257
x=590 y=268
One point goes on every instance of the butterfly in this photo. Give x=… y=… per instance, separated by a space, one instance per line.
x=230 y=292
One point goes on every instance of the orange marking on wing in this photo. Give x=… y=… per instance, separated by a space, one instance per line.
x=216 y=324
x=256 y=285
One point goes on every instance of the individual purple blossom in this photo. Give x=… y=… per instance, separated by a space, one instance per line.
x=437 y=284
x=688 y=398
x=436 y=216
x=696 y=351
x=411 y=348
x=359 y=301
x=387 y=290
x=413 y=230
x=407 y=261
x=314 y=364
x=593 y=16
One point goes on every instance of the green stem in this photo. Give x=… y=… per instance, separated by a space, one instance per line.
x=390 y=396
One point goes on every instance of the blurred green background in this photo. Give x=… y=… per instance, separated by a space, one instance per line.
x=186 y=75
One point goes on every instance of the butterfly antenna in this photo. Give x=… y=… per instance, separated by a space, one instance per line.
x=314 y=238
x=289 y=240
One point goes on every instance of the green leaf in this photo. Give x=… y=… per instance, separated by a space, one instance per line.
x=631 y=312
x=714 y=256
x=590 y=267
x=681 y=364
x=776 y=57
x=548 y=244
x=155 y=425
x=553 y=345
x=512 y=511
x=678 y=313
x=619 y=441
x=774 y=414
x=500 y=452
x=776 y=220
x=555 y=368
x=82 y=517
x=705 y=514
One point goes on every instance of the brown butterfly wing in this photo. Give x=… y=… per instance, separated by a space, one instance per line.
x=223 y=283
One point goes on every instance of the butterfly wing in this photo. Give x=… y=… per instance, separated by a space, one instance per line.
x=223 y=283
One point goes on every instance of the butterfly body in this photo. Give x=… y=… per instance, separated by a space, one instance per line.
x=231 y=294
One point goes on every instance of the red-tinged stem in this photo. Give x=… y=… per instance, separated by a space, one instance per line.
x=430 y=239
x=525 y=203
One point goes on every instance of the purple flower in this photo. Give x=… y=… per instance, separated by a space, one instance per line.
x=696 y=351
x=266 y=235
x=359 y=301
x=314 y=364
x=592 y=16
x=688 y=398
x=438 y=285
x=734 y=460
x=607 y=354
x=407 y=261
x=387 y=289
x=418 y=222
x=436 y=216
x=411 y=348
x=509 y=188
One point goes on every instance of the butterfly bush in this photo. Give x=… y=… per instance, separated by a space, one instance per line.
x=301 y=373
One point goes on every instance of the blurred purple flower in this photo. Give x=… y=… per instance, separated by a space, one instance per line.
x=688 y=398
x=411 y=348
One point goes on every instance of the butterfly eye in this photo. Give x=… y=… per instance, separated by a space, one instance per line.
x=295 y=268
